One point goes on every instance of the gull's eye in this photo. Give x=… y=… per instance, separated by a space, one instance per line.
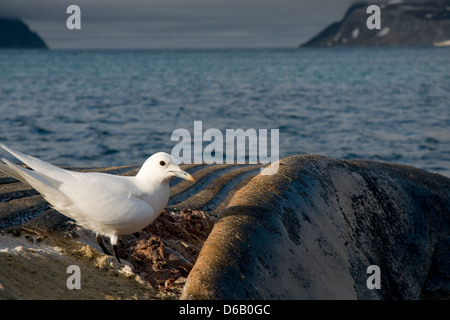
x=162 y=163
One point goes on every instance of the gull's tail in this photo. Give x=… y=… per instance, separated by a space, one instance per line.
x=45 y=169
x=46 y=178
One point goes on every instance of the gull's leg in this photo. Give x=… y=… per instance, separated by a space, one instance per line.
x=116 y=253
x=102 y=245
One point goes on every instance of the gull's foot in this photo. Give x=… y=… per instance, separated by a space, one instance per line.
x=102 y=245
x=116 y=254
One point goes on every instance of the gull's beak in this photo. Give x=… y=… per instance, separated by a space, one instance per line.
x=183 y=175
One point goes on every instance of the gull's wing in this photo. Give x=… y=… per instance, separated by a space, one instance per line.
x=50 y=172
x=107 y=200
x=46 y=178
x=45 y=187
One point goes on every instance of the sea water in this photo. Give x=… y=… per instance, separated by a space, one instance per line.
x=104 y=108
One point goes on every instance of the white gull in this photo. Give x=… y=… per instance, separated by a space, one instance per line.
x=107 y=204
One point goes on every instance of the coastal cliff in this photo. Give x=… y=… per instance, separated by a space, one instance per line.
x=421 y=23
x=15 y=34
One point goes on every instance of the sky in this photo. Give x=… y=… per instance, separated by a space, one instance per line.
x=152 y=24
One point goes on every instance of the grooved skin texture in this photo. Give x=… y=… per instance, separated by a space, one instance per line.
x=311 y=231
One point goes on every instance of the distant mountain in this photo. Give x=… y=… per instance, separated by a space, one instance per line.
x=405 y=22
x=16 y=34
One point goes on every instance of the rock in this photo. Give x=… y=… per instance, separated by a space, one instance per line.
x=402 y=23
x=16 y=34
x=312 y=230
